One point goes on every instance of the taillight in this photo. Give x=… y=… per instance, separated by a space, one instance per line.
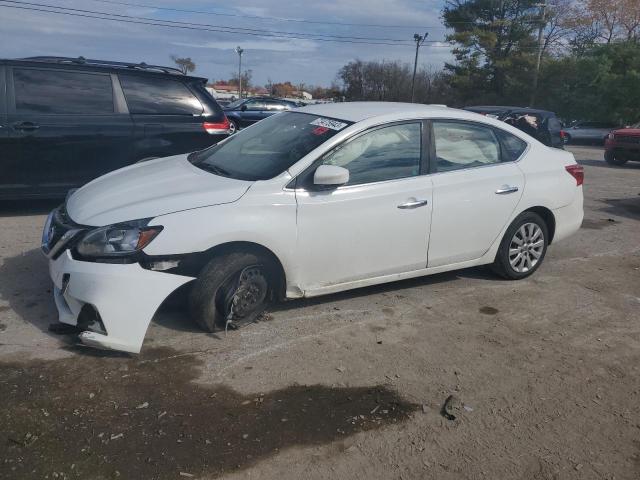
x=563 y=134
x=577 y=172
x=217 y=128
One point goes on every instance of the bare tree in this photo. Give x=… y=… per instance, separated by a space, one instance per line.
x=185 y=64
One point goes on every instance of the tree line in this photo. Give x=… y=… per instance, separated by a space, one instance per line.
x=589 y=70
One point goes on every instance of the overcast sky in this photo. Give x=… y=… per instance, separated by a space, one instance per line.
x=27 y=33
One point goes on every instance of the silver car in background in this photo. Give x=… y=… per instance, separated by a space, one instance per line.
x=588 y=132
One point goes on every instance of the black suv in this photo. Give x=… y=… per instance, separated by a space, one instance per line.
x=65 y=121
x=542 y=125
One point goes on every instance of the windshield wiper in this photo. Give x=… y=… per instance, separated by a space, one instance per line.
x=216 y=170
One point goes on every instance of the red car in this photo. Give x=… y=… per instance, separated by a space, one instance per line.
x=623 y=145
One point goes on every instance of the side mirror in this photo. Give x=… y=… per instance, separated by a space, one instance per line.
x=330 y=176
x=243 y=108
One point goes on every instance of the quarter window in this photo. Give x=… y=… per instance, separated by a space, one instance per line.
x=159 y=96
x=386 y=153
x=463 y=145
x=512 y=146
x=59 y=92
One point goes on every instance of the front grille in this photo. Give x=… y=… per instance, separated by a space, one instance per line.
x=62 y=233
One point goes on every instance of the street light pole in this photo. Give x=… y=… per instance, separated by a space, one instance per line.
x=419 y=39
x=536 y=72
x=239 y=52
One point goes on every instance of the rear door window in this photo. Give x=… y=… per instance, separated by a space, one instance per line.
x=62 y=92
x=159 y=96
x=460 y=145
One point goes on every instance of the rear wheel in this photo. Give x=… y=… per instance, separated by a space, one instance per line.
x=233 y=127
x=611 y=159
x=231 y=291
x=523 y=247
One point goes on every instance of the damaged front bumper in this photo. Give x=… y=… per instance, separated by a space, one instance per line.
x=113 y=303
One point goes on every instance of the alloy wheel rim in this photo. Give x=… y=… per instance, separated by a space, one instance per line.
x=232 y=128
x=526 y=247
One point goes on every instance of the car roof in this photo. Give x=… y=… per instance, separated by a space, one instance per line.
x=506 y=108
x=358 y=111
x=83 y=64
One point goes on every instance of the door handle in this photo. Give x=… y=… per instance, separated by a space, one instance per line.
x=505 y=189
x=413 y=204
x=26 y=126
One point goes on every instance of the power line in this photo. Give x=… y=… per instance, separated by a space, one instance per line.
x=282 y=19
x=257 y=17
x=195 y=26
x=234 y=29
x=46 y=8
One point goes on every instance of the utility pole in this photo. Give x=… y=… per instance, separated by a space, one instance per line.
x=239 y=52
x=419 y=39
x=536 y=73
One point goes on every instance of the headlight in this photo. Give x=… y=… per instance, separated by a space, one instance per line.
x=611 y=136
x=118 y=240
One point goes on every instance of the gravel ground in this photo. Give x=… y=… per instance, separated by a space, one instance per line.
x=545 y=372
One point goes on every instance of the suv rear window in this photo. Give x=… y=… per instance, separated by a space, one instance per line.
x=159 y=96
x=60 y=92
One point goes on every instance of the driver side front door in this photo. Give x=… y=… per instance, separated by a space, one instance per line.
x=375 y=225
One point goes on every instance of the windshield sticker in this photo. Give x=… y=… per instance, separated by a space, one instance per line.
x=328 y=123
x=319 y=130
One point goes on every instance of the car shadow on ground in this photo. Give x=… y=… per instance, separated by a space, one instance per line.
x=27 y=288
x=623 y=207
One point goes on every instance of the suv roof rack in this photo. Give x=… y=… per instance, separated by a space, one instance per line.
x=105 y=63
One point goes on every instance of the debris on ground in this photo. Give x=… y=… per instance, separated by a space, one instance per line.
x=453 y=407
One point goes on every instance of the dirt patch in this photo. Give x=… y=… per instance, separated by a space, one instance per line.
x=96 y=416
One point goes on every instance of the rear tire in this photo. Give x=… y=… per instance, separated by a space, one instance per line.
x=523 y=247
x=233 y=127
x=611 y=159
x=234 y=286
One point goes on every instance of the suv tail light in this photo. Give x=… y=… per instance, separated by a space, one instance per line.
x=563 y=134
x=217 y=128
x=577 y=172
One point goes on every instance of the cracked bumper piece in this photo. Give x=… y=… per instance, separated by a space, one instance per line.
x=123 y=297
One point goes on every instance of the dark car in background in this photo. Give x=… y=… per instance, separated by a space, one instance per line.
x=66 y=121
x=542 y=125
x=589 y=132
x=623 y=145
x=247 y=111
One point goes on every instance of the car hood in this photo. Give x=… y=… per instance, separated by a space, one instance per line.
x=150 y=189
x=631 y=132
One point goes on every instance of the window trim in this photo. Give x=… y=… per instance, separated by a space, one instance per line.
x=11 y=92
x=432 y=146
x=4 y=94
x=302 y=176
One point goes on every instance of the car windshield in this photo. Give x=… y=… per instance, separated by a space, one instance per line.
x=636 y=125
x=269 y=147
x=236 y=104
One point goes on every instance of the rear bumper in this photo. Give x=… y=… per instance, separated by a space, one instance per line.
x=569 y=218
x=125 y=297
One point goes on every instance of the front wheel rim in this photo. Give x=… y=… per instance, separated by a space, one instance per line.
x=526 y=247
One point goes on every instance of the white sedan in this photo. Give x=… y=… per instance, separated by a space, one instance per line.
x=314 y=201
